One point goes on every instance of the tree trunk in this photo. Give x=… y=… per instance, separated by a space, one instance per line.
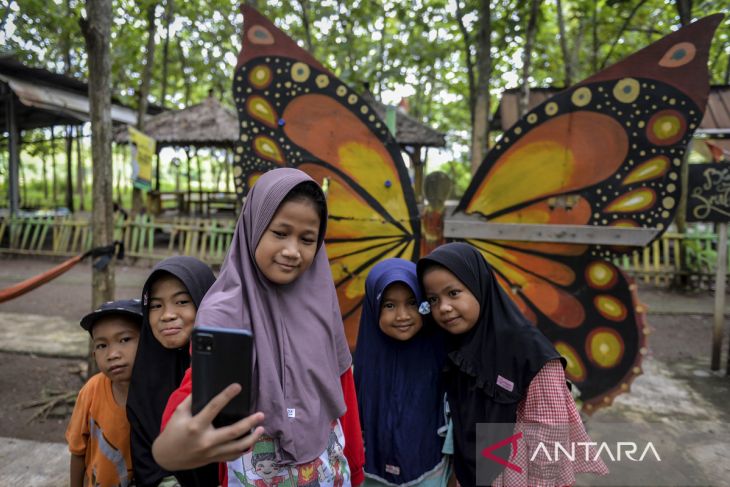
x=67 y=72
x=567 y=61
x=594 y=25
x=684 y=9
x=527 y=57
x=97 y=32
x=304 y=6
x=80 y=173
x=468 y=59
x=169 y=8
x=625 y=24
x=480 y=130
x=44 y=176
x=69 y=170
x=144 y=90
x=184 y=68
x=53 y=167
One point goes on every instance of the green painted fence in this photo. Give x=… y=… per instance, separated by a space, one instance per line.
x=208 y=240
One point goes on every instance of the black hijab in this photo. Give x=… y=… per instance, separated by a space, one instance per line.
x=157 y=373
x=491 y=366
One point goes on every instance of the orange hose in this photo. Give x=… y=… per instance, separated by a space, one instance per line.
x=32 y=283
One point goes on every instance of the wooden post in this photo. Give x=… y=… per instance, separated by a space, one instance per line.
x=14 y=153
x=720 y=277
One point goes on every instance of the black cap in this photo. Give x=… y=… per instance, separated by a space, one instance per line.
x=131 y=308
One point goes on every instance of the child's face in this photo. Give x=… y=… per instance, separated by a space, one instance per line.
x=453 y=306
x=399 y=316
x=172 y=312
x=289 y=243
x=115 y=341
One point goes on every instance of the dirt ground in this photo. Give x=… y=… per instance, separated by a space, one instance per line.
x=680 y=340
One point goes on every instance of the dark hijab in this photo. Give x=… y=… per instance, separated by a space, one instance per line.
x=490 y=367
x=157 y=373
x=398 y=386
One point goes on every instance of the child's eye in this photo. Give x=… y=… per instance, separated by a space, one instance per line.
x=155 y=306
x=412 y=303
x=125 y=339
x=278 y=234
x=388 y=306
x=183 y=302
x=100 y=346
x=454 y=292
x=431 y=299
x=308 y=241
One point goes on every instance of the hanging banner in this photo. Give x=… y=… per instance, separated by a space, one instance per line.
x=143 y=148
x=708 y=198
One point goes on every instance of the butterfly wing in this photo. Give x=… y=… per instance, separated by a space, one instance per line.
x=605 y=152
x=294 y=112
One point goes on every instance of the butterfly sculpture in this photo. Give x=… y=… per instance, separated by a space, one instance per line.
x=605 y=152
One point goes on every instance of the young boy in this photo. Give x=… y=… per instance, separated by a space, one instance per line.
x=98 y=432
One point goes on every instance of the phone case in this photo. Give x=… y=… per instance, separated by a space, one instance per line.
x=222 y=356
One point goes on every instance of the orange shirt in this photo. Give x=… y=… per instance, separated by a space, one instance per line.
x=99 y=431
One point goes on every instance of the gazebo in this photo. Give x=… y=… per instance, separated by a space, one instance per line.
x=206 y=124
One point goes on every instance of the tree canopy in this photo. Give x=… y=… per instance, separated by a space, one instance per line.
x=427 y=49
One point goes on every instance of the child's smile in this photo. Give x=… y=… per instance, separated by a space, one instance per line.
x=288 y=245
x=171 y=312
x=399 y=316
x=453 y=306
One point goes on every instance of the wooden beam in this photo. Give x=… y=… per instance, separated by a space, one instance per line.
x=13 y=154
x=471 y=226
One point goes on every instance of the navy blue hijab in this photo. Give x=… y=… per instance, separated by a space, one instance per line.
x=398 y=386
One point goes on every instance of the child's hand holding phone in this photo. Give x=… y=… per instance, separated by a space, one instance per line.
x=192 y=441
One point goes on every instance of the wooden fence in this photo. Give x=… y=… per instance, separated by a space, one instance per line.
x=208 y=240
x=143 y=237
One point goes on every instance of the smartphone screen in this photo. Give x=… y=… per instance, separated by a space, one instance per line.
x=222 y=356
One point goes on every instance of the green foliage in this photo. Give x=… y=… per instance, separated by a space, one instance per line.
x=412 y=46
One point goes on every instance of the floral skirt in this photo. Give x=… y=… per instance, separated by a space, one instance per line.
x=257 y=468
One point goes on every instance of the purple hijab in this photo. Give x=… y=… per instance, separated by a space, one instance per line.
x=300 y=349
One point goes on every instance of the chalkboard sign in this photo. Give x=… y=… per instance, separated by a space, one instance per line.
x=708 y=198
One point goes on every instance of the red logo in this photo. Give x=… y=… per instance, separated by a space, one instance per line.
x=512 y=440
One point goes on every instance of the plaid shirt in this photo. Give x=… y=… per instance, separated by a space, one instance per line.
x=549 y=402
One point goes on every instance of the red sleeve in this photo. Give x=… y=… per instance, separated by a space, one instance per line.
x=350 y=422
x=178 y=396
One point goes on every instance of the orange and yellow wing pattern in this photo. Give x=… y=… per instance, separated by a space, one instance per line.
x=294 y=112
x=605 y=152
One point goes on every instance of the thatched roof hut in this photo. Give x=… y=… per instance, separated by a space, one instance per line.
x=207 y=124
x=408 y=130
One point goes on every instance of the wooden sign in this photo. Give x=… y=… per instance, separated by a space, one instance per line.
x=708 y=198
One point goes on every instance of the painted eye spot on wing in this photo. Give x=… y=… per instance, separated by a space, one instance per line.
x=581 y=97
x=678 y=55
x=604 y=347
x=651 y=169
x=626 y=90
x=666 y=127
x=260 y=77
x=258 y=34
x=575 y=370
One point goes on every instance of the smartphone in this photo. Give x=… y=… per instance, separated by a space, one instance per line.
x=222 y=356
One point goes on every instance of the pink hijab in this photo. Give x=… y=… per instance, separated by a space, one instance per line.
x=300 y=346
